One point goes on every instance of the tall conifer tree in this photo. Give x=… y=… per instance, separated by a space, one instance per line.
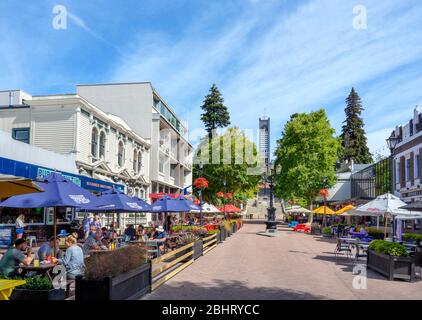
x=353 y=134
x=215 y=113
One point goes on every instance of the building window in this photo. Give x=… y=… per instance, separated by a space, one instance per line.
x=173 y=170
x=408 y=170
x=21 y=134
x=417 y=165
x=94 y=143
x=161 y=165
x=102 y=145
x=135 y=161
x=120 y=154
x=139 y=162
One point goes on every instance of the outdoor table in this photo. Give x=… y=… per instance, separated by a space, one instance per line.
x=42 y=269
x=7 y=287
x=349 y=240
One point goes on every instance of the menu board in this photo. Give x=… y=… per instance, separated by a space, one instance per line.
x=5 y=237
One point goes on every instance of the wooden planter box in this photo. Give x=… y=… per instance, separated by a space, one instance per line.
x=234 y=227
x=223 y=234
x=25 y=294
x=391 y=267
x=128 y=286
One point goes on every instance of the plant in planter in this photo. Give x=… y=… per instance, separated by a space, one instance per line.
x=375 y=233
x=37 y=288
x=326 y=231
x=391 y=259
x=412 y=237
x=121 y=274
x=188 y=238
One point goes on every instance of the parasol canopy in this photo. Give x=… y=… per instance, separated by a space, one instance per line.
x=169 y=204
x=298 y=209
x=12 y=186
x=324 y=210
x=387 y=204
x=345 y=209
x=229 y=208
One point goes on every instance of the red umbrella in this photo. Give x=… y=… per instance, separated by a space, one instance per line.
x=229 y=208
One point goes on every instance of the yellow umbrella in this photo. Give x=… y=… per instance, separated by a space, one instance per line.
x=321 y=210
x=12 y=186
x=345 y=209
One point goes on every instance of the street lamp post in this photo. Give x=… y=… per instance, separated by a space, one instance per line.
x=392 y=142
x=271 y=221
x=224 y=201
x=201 y=168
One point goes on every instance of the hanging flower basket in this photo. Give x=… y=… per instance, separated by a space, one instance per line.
x=220 y=194
x=201 y=183
x=323 y=193
x=229 y=195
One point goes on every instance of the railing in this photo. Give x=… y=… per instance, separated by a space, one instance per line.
x=168 y=265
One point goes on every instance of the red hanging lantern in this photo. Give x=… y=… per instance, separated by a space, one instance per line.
x=201 y=183
x=220 y=194
x=323 y=193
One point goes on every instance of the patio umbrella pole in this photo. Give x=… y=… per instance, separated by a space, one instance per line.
x=385 y=226
x=54 y=230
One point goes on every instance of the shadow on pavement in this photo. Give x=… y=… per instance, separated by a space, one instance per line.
x=221 y=290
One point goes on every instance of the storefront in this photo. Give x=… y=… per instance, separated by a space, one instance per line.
x=39 y=221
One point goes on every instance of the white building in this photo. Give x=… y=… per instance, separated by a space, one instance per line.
x=151 y=117
x=407 y=159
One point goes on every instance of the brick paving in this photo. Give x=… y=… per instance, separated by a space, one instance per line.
x=291 y=266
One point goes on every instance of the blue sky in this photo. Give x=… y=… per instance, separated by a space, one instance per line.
x=278 y=56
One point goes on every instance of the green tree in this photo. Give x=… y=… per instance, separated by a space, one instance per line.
x=235 y=160
x=307 y=152
x=215 y=113
x=353 y=137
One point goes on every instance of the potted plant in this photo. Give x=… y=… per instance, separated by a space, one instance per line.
x=315 y=228
x=391 y=260
x=122 y=274
x=414 y=238
x=326 y=232
x=37 y=288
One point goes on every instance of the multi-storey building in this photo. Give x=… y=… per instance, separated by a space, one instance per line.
x=264 y=139
x=407 y=159
x=150 y=116
x=105 y=147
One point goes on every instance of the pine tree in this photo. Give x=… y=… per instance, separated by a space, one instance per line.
x=353 y=134
x=215 y=113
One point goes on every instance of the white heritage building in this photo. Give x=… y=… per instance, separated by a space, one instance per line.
x=120 y=133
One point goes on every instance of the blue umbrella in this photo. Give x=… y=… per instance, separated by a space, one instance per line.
x=116 y=201
x=169 y=204
x=58 y=192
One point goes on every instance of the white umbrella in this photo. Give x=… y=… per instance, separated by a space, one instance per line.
x=386 y=204
x=298 y=210
x=207 y=208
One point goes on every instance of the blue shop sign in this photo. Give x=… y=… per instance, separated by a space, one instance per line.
x=31 y=171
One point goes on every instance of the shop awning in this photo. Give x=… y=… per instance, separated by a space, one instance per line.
x=12 y=186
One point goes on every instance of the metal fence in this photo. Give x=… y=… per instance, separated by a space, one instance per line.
x=372 y=181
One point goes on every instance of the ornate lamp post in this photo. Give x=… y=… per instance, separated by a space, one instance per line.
x=271 y=221
x=392 y=142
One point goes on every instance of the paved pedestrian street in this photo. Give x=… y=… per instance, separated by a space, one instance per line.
x=291 y=266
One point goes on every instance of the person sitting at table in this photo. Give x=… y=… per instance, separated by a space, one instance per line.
x=141 y=233
x=159 y=235
x=92 y=243
x=73 y=259
x=168 y=223
x=129 y=233
x=46 y=250
x=14 y=256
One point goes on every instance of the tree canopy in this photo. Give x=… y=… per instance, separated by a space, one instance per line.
x=307 y=153
x=353 y=134
x=235 y=160
x=215 y=113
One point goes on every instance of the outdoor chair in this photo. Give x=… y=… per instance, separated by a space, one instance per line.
x=360 y=252
x=342 y=247
x=293 y=224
